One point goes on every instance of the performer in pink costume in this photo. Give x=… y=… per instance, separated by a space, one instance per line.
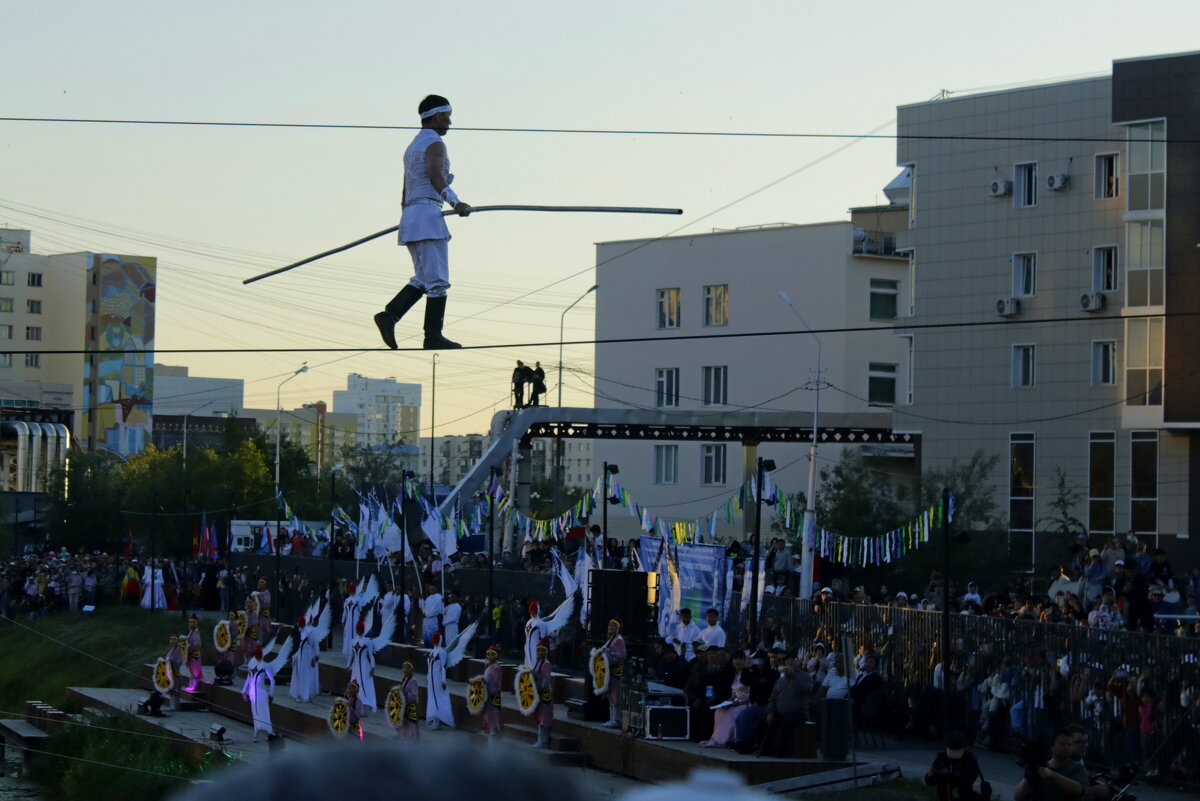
x=250 y=642
x=195 y=668
x=263 y=596
x=492 y=678
x=544 y=714
x=410 y=728
x=616 y=666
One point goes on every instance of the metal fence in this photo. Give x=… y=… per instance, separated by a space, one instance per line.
x=1053 y=675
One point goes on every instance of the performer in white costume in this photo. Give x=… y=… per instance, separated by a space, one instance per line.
x=431 y=608
x=450 y=617
x=437 y=697
x=362 y=658
x=260 y=686
x=306 y=661
x=427 y=180
x=153 y=596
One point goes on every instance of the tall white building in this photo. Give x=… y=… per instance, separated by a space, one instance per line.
x=387 y=410
x=708 y=305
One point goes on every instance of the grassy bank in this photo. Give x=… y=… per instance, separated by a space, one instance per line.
x=40 y=659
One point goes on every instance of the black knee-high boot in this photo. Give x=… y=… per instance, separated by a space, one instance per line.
x=386 y=320
x=435 y=313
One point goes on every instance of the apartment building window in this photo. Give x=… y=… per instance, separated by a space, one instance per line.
x=1143 y=481
x=712 y=464
x=1104 y=269
x=6 y=304
x=33 y=306
x=1024 y=359
x=35 y=279
x=6 y=332
x=1024 y=275
x=716 y=386
x=668 y=308
x=1143 y=362
x=666 y=464
x=1145 y=256
x=1147 y=180
x=33 y=360
x=7 y=277
x=881 y=384
x=1102 y=450
x=884 y=297
x=1104 y=363
x=666 y=387
x=716 y=304
x=33 y=333
x=1025 y=188
x=1020 y=491
x=1108 y=175
x=5 y=360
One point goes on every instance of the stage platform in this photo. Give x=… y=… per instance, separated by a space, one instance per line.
x=574 y=742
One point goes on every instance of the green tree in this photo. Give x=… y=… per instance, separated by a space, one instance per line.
x=857 y=500
x=974 y=493
x=542 y=502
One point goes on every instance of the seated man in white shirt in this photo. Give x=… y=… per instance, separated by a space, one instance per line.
x=686 y=635
x=714 y=635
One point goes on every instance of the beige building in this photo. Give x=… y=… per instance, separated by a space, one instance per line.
x=1053 y=238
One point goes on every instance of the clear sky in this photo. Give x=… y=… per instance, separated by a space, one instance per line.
x=217 y=205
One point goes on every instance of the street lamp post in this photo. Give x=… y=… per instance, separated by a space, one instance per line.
x=278 y=522
x=763 y=466
x=808 y=546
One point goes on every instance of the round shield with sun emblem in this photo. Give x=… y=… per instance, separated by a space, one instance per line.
x=164 y=678
x=525 y=689
x=600 y=670
x=243 y=622
x=339 y=718
x=222 y=636
x=476 y=695
x=395 y=705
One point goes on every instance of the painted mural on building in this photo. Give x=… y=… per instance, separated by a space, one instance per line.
x=118 y=382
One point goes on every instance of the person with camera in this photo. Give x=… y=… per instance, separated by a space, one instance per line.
x=954 y=772
x=1058 y=778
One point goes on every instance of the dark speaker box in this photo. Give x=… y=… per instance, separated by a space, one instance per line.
x=667 y=723
x=619 y=593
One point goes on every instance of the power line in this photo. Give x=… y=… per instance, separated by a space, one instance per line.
x=589 y=131
x=668 y=338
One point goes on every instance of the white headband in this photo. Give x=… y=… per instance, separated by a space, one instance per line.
x=427 y=114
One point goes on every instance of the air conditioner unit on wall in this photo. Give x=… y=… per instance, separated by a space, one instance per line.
x=1008 y=307
x=1000 y=187
x=1092 y=301
x=1056 y=182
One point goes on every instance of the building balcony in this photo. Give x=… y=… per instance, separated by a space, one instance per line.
x=875 y=243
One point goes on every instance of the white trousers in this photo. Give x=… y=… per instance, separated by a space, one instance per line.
x=431 y=266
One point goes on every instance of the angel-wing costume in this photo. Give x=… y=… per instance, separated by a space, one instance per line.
x=437 y=697
x=306 y=682
x=260 y=686
x=362 y=658
x=546 y=628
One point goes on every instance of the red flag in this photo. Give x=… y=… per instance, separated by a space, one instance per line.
x=195 y=541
